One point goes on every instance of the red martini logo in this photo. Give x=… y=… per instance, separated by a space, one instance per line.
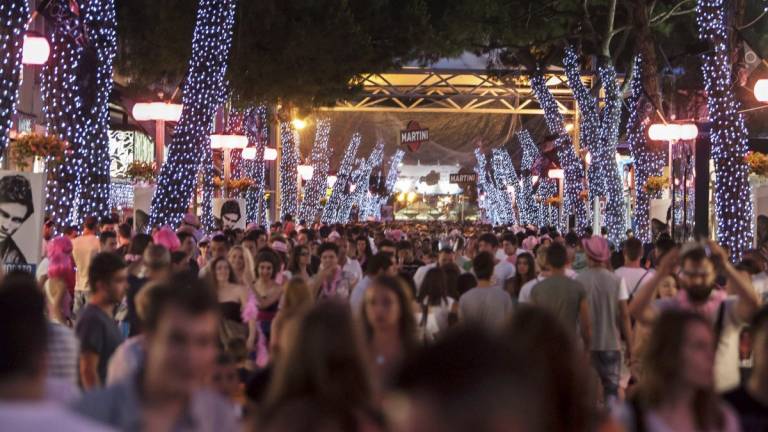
x=414 y=136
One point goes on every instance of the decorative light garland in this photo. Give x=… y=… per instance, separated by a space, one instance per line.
x=204 y=92
x=496 y=203
x=572 y=168
x=13 y=16
x=505 y=176
x=99 y=20
x=647 y=162
x=525 y=201
x=289 y=164
x=599 y=133
x=547 y=213
x=393 y=173
x=332 y=209
x=361 y=179
x=257 y=130
x=75 y=84
x=733 y=204
x=316 y=186
x=615 y=208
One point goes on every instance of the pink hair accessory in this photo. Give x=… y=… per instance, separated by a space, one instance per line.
x=280 y=246
x=59 y=245
x=167 y=238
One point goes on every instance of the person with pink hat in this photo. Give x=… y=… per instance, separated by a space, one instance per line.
x=607 y=297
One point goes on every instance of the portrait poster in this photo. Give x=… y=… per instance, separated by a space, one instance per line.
x=22 y=210
x=142 y=201
x=229 y=213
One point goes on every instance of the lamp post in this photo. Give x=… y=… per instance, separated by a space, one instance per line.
x=672 y=133
x=227 y=143
x=159 y=112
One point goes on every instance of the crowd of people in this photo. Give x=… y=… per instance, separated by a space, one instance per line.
x=382 y=327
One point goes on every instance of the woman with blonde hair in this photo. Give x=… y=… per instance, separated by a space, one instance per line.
x=242 y=264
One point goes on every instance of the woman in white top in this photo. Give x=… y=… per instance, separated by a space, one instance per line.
x=677 y=389
x=434 y=303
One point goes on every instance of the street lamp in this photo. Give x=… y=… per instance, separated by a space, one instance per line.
x=761 y=90
x=159 y=112
x=35 y=50
x=299 y=124
x=306 y=171
x=672 y=133
x=227 y=143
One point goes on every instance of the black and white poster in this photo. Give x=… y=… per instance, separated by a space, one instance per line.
x=229 y=213
x=22 y=209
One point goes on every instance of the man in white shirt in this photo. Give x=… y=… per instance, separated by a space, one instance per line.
x=631 y=272
x=349 y=265
x=444 y=258
x=23 y=336
x=503 y=270
x=84 y=248
x=509 y=245
x=541 y=262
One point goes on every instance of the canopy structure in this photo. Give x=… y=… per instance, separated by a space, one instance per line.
x=461 y=103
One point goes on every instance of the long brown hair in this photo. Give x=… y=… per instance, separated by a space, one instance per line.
x=297 y=296
x=406 y=325
x=552 y=359
x=662 y=364
x=323 y=363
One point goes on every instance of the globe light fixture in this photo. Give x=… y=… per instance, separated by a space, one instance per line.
x=270 y=154
x=157 y=111
x=306 y=171
x=228 y=142
x=35 y=50
x=761 y=90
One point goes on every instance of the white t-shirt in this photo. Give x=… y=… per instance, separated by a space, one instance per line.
x=352 y=266
x=527 y=289
x=41 y=416
x=421 y=273
x=634 y=277
x=502 y=272
x=83 y=249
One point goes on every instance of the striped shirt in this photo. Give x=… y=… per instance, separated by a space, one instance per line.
x=62 y=353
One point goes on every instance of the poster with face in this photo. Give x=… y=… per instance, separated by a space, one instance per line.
x=22 y=200
x=229 y=213
x=142 y=201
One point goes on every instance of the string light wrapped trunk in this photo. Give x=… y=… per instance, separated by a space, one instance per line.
x=204 y=92
x=320 y=160
x=13 y=16
x=728 y=135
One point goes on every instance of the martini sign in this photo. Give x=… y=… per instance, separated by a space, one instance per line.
x=413 y=136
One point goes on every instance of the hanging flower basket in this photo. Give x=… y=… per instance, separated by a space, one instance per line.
x=238 y=184
x=554 y=201
x=758 y=163
x=655 y=184
x=27 y=147
x=140 y=171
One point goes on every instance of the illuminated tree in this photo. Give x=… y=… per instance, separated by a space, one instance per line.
x=733 y=204
x=320 y=160
x=14 y=15
x=204 y=92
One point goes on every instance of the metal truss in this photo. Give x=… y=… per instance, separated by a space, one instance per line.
x=455 y=91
